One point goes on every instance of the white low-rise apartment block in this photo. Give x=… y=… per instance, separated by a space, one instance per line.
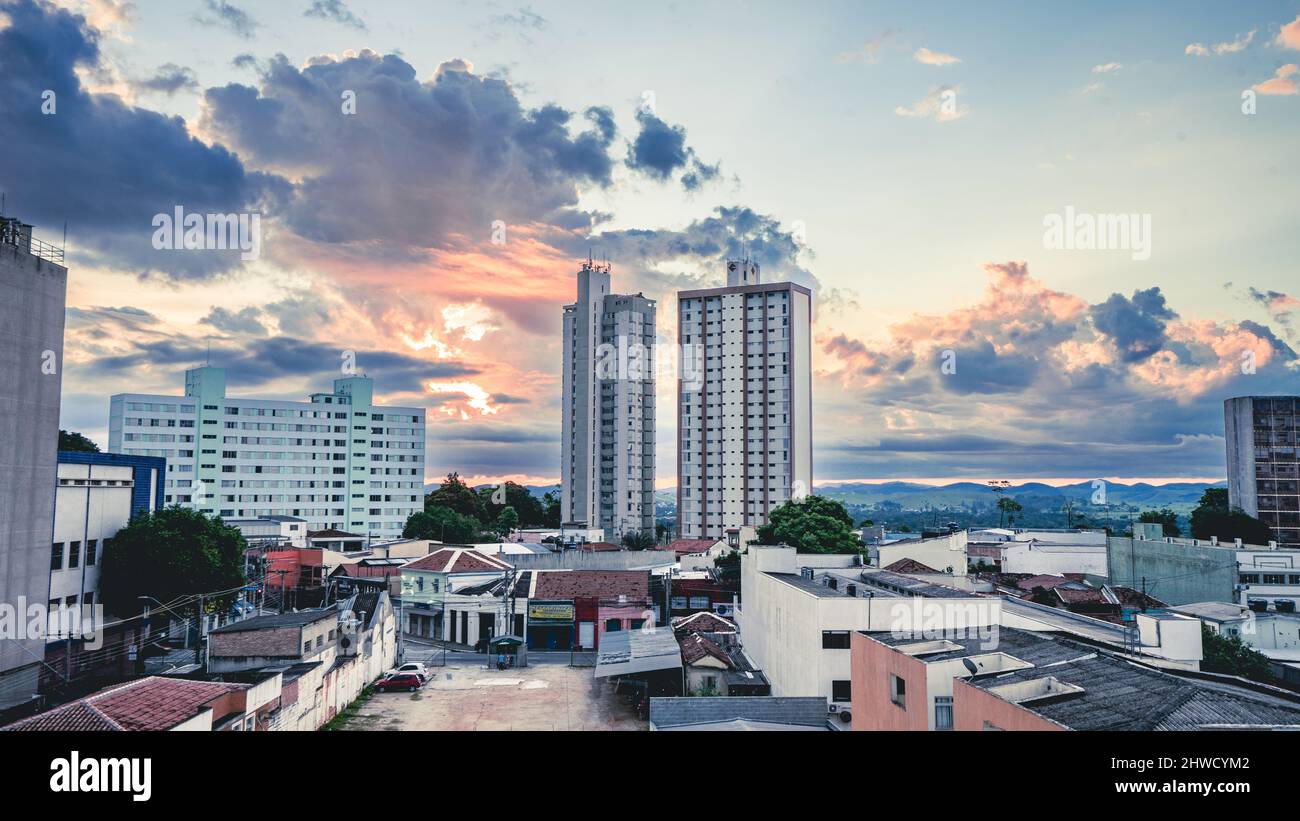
x=339 y=461
x=798 y=610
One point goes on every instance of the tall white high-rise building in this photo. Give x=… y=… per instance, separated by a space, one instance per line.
x=339 y=461
x=607 y=454
x=744 y=442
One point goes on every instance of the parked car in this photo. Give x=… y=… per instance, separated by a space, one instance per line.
x=412 y=667
x=400 y=681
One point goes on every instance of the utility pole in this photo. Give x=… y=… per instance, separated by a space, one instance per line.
x=198 y=632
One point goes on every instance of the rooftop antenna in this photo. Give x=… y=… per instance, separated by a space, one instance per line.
x=208 y=361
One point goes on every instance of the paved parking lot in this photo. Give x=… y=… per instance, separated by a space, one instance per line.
x=468 y=697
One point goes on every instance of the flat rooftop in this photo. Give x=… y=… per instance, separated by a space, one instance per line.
x=1083 y=688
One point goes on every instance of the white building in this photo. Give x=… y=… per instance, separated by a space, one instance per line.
x=744 y=401
x=607 y=464
x=339 y=461
x=33 y=286
x=797 y=611
x=946 y=554
x=97 y=494
x=1053 y=558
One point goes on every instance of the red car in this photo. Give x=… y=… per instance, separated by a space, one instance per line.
x=401 y=681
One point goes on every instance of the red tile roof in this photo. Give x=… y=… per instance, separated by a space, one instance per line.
x=909 y=566
x=591 y=584
x=458 y=560
x=684 y=547
x=1047 y=582
x=153 y=703
x=1078 y=596
x=696 y=647
x=703 y=622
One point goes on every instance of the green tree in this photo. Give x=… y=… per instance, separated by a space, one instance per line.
x=639 y=540
x=1007 y=510
x=1231 y=655
x=1164 y=517
x=1213 y=517
x=170 y=554
x=527 y=506
x=661 y=532
x=814 y=525
x=551 y=509
x=507 y=521
x=454 y=495
x=728 y=567
x=75 y=442
x=443 y=525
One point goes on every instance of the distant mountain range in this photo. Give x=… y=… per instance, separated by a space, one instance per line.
x=1179 y=496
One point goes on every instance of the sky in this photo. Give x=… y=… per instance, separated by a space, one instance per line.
x=427 y=176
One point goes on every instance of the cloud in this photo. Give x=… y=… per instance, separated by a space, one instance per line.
x=522 y=21
x=254 y=363
x=1107 y=68
x=104 y=166
x=1219 y=49
x=939 y=105
x=429 y=165
x=869 y=53
x=223 y=14
x=1289 y=35
x=659 y=150
x=1281 y=83
x=169 y=79
x=245 y=321
x=1136 y=326
x=934 y=58
x=336 y=11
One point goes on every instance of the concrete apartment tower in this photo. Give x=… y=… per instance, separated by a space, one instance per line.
x=33 y=291
x=607 y=455
x=744 y=401
x=1263 y=435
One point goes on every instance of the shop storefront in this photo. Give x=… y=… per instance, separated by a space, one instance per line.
x=550 y=625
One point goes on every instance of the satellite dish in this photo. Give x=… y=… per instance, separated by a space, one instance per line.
x=970 y=665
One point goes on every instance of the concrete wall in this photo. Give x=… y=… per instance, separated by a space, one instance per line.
x=593 y=560
x=1239 y=433
x=940 y=553
x=1175 y=572
x=975 y=709
x=873 y=665
x=32 y=300
x=1031 y=557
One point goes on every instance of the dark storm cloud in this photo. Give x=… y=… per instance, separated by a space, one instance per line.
x=106 y=167
x=428 y=164
x=222 y=14
x=335 y=11
x=659 y=151
x=979 y=368
x=245 y=321
x=1135 y=326
x=169 y=79
x=256 y=362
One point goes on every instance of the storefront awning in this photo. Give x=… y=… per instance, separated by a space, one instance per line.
x=637 y=651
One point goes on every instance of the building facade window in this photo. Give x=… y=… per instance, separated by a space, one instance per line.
x=898 y=691
x=943 y=712
x=841 y=690
x=835 y=639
